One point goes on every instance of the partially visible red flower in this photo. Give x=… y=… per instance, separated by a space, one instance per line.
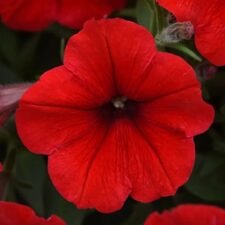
x=118 y=118
x=73 y=13
x=9 y=97
x=34 y=15
x=28 y=15
x=1 y=167
x=208 y=19
x=15 y=214
x=189 y=215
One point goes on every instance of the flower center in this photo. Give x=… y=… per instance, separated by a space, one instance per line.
x=118 y=107
x=119 y=102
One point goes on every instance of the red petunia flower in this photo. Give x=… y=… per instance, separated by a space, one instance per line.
x=189 y=215
x=15 y=214
x=9 y=97
x=208 y=19
x=118 y=118
x=38 y=14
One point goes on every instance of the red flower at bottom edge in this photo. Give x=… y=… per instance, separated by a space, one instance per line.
x=189 y=215
x=118 y=118
x=15 y=214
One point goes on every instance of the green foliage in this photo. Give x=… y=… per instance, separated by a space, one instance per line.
x=150 y=15
x=208 y=179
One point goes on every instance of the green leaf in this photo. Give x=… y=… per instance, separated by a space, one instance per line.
x=218 y=141
x=17 y=53
x=145 y=14
x=150 y=15
x=28 y=180
x=7 y=75
x=139 y=214
x=55 y=204
x=27 y=51
x=184 y=49
x=60 y=31
x=216 y=85
x=31 y=185
x=127 y=12
x=9 y=44
x=208 y=178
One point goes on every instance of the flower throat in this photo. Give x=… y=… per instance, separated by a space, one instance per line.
x=119 y=107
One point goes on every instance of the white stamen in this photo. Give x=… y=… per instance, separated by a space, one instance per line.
x=119 y=103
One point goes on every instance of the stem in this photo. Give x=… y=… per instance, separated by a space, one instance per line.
x=182 y=48
x=62 y=48
x=156 y=18
x=187 y=51
x=8 y=166
x=9 y=160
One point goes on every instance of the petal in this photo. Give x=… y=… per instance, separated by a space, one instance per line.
x=28 y=15
x=121 y=161
x=184 y=111
x=156 y=219
x=130 y=57
x=118 y=4
x=168 y=74
x=16 y=214
x=187 y=214
x=160 y=161
x=50 y=113
x=208 y=215
x=52 y=127
x=187 y=10
x=96 y=173
x=209 y=21
x=198 y=12
x=74 y=13
x=209 y=38
x=53 y=220
x=87 y=57
x=113 y=59
x=59 y=87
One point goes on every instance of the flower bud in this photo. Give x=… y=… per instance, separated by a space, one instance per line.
x=206 y=71
x=176 y=32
